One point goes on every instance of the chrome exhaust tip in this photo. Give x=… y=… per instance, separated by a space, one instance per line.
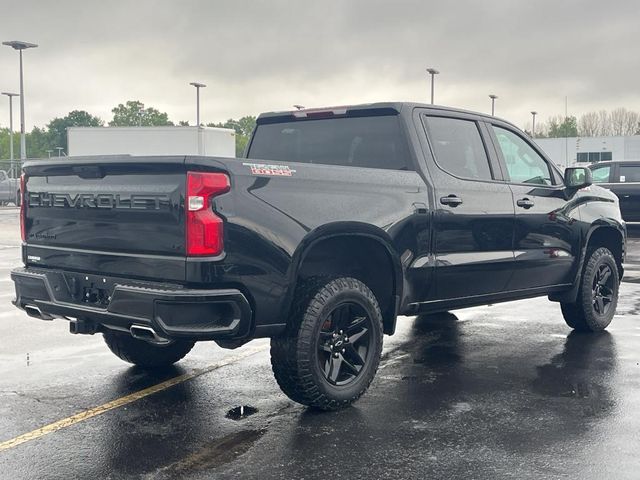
x=35 y=312
x=147 y=334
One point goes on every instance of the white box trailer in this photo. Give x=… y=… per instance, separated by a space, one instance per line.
x=209 y=141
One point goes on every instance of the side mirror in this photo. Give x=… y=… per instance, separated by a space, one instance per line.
x=577 y=177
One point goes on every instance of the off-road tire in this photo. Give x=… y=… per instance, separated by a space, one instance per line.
x=582 y=315
x=295 y=357
x=145 y=354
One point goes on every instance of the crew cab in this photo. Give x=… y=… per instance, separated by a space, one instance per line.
x=335 y=222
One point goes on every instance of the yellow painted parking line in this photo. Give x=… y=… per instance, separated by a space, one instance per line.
x=119 y=402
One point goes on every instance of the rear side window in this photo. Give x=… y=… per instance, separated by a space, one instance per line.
x=601 y=174
x=458 y=148
x=370 y=142
x=630 y=173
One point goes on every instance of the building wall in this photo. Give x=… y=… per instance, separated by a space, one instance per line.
x=577 y=150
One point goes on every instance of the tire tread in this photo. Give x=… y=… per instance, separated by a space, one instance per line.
x=290 y=362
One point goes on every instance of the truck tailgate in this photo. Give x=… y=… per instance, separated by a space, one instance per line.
x=119 y=216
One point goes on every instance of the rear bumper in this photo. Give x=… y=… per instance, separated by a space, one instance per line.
x=172 y=311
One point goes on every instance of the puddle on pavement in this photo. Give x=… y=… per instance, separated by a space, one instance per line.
x=243 y=411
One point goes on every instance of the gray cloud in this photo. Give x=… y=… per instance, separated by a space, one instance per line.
x=257 y=56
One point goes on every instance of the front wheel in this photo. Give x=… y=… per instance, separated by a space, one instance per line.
x=597 y=297
x=332 y=349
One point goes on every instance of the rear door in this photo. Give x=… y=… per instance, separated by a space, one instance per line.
x=546 y=233
x=474 y=214
x=120 y=216
x=626 y=185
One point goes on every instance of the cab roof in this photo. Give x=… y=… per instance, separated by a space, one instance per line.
x=364 y=109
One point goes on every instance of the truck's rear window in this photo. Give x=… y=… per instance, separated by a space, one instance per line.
x=372 y=142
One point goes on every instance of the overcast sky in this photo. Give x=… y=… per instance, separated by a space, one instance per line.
x=262 y=56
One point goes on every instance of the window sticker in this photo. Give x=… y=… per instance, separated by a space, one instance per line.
x=273 y=170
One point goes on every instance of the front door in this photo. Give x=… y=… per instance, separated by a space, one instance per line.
x=546 y=233
x=474 y=213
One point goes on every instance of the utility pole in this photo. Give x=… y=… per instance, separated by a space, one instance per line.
x=140 y=114
x=493 y=104
x=566 y=131
x=433 y=72
x=533 y=124
x=198 y=87
x=12 y=172
x=20 y=46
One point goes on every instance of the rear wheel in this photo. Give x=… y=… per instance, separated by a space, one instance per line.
x=597 y=298
x=332 y=350
x=145 y=354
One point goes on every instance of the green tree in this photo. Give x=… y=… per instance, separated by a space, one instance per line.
x=243 y=127
x=561 y=127
x=134 y=113
x=38 y=142
x=57 y=128
x=4 y=144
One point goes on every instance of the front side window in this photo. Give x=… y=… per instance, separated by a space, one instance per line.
x=458 y=148
x=629 y=173
x=601 y=174
x=524 y=164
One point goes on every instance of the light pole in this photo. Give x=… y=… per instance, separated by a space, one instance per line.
x=493 y=104
x=12 y=167
x=140 y=114
x=20 y=46
x=433 y=72
x=533 y=124
x=198 y=87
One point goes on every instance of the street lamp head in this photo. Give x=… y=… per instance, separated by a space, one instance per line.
x=493 y=97
x=18 y=45
x=432 y=71
x=197 y=85
x=9 y=94
x=534 y=113
x=299 y=107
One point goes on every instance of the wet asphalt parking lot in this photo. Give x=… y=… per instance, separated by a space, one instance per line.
x=502 y=391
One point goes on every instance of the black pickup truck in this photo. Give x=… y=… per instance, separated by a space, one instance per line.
x=335 y=222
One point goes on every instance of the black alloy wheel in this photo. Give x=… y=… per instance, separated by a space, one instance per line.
x=597 y=296
x=331 y=350
x=603 y=289
x=344 y=343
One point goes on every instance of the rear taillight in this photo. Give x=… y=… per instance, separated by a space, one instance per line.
x=23 y=209
x=204 y=227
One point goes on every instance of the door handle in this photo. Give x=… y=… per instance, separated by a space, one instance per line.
x=451 y=200
x=525 y=203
